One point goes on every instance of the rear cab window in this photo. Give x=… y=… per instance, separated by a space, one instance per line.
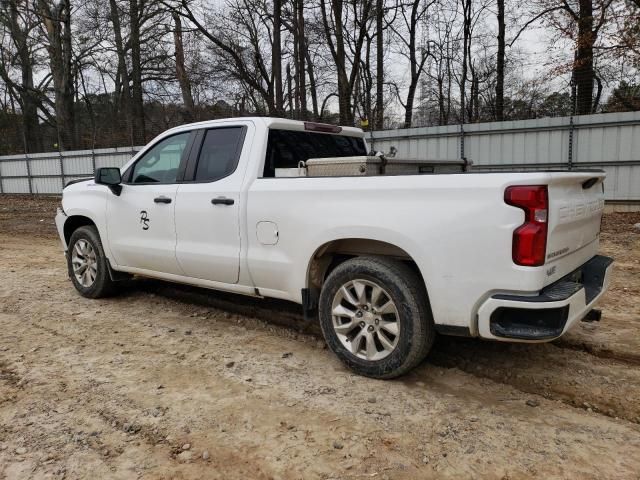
x=215 y=154
x=286 y=148
x=219 y=153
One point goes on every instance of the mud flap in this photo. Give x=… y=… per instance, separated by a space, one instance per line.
x=115 y=275
x=310 y=298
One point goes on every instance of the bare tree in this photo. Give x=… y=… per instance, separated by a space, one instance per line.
x=137 y=102
x=467 y=18
x=378 y=124
x=581 y=21
x=56 y=20
x=181 y=71
x=500 y=63
x=333 y=19
x=413 y=15
x=238 y=45
x=301 y=47
x=19 y=25
x=122 y=87
x=276 y=54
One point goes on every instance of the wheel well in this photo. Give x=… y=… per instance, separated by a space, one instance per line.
x=332 y=254
x=73 y=223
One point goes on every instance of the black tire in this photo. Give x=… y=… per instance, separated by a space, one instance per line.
x=406 y=289
x=102 y=286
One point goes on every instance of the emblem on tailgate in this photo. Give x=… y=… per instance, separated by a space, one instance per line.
x=578 y=209
x=557 y=253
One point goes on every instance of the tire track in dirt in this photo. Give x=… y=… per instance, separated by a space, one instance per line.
x=480 y=359
x=448 y=396
x=606 y=353
x=574 y=376
x=577 y=379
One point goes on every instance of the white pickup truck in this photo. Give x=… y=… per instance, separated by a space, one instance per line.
x=385 y=262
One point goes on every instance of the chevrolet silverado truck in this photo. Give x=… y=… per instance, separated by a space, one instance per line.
x=385 y=262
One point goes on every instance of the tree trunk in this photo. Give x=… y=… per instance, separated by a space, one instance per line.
x=56 y=19
x=366 y=81
x=181 y=71
x=449 y=83
x=476 y=98
x=339 y=57
x=500 y=63
x=344 y=90
x=583 y=67
x=29 y=105
x=123 y=90
x=294 y=102
x=415 y=65
x=379 y=121
x=312 y=85
x=276 y=54
x=334 y=27
x=441 y=113
x=466 y=6
x=596 y=101
x=137 y=104
x=302 y=47
x=408 y=111
x=28 y=97
x=290 y=90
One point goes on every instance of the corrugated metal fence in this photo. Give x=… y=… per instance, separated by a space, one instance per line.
x=47 y=173
x=609 y=141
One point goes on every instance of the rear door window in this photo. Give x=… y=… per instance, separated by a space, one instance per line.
x=286 y=148
x=219 y=153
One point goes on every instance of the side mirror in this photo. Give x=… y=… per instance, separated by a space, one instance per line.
x=109 y=176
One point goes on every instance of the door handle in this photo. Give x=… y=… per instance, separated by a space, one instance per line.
x=223 y=201
x=162 y=199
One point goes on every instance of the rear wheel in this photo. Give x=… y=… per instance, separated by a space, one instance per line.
x=88 y=265
x=375 y=316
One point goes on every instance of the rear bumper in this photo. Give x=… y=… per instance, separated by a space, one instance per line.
x=549 y=313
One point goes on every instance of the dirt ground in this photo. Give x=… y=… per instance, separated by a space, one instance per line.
x=168 y=382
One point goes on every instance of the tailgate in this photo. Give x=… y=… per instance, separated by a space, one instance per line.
x=576 y=203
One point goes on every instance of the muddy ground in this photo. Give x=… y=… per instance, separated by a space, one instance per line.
x=173 y=382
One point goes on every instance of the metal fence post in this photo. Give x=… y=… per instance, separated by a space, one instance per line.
x=29 y=178
x=571 y=124
x=462 y=157
x=93 y=160
x=61 y=168
x=571 y=129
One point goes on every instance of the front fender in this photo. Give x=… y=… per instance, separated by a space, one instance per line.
x=89 y=200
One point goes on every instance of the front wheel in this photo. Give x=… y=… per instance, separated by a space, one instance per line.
x=88 y=265
x=375 y=316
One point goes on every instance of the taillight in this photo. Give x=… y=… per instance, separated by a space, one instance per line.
x=530 y=238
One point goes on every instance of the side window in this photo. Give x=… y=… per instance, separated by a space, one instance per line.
x=160 y=164
x=219 y=153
